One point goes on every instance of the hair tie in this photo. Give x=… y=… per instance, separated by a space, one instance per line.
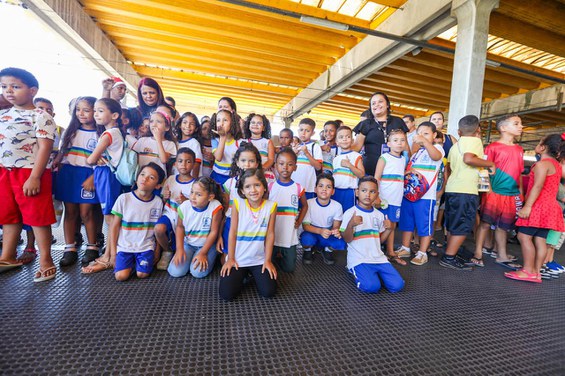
x=563 y=136
x=165 y=115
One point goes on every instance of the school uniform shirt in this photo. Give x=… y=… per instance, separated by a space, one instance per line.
x=176 y=188
x=305 y=174
x=56 y=145
x=365 y=248
x=131 y=140
x=429 y=168
x=193 y=145
x=19 y=131
x=262 y=144
x=148 y=151
x=114 y=151
x=207 y=164
x=252 y=231
x=287 y=196
x=322 y=216
x=391 y=187
x=343 y=176
x=464 y=178
x=223 y=166
x=328 y=158
x=82 y=145
x=230 y=187
x=197 y=222
x=138 y=219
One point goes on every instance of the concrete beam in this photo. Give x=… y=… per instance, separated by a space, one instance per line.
x=67 y=18
x=420 y=20
x=550 y=98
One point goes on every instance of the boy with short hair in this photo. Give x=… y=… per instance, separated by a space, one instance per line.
x=25 y=188
x=500 y=205
x=285 y=139
x=309 y=157
x=347 y=169
x=461 y=192
x=287 y=194
x=363 y=228
x=321 y=223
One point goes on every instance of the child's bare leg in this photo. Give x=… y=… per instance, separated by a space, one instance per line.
x=89 y=223
x=480 y=236
x=528 y=252
x=425 y=243
x=500 y=239
x=142 y=275
x=70 y=222
x=11 y=235
x=453 y=244
x=390 y=240
x=406 y=237
x=541 y=252
x=43 y=237
x=123 y=275
x=549 y=255
x=161 y=236
x=30 y=239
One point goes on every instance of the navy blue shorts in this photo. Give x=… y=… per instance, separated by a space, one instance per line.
x=418 y=214
x=534 y=231
x=460 y=213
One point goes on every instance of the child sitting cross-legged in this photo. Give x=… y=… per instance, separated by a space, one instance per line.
x=363 y=228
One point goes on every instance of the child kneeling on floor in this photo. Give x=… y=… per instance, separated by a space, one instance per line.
x=363 y=227
x=132 y=229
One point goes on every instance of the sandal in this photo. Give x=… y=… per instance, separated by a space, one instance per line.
x=45 y=275
x=96 y=266
x=436 y=243
x=432 y=253
x=509 y=264
x=396 y=260
x=7 y=265
x=524 y=276
x=477 y=262
x=69 y=257
x=28 y=256
x=92 y=253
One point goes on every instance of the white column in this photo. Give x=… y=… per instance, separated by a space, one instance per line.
x=470 y=57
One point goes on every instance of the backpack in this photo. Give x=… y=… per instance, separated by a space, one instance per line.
x=127 y=168
x=415 y=184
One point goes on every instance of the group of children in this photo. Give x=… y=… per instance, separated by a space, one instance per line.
x=254 y=205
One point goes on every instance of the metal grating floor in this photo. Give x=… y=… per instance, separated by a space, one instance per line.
x=444 y=323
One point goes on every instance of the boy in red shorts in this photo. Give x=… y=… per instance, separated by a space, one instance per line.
x=500 y=205
x=26 y=141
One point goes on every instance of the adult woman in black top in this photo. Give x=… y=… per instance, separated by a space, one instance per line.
x=372 y=133
x=150 y=96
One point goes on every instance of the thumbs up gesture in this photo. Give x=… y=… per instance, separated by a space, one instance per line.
x=356 y=219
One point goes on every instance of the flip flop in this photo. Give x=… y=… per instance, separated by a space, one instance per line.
x=509 y=264
x=5 y=266
x=42 y=276
x=510 y=257
x=397 y=260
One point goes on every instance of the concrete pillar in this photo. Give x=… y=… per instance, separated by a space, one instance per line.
x=470 y=57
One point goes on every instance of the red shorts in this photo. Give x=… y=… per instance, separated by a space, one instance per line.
x=500 y=211
x=16 y=207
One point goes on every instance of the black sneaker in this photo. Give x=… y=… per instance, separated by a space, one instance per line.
x=69 y=258
x=454 y=263
x=328 y=257
x=307 y=257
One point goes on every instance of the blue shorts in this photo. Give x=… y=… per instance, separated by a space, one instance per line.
x=68 y=185
x=419 y=215
x=219 y=178
x=108 y=188
x=142 y=262
x=392 y=212
x=164 y=220
x=309 y=195
x=226 y=234
x=309 y=239
x=460 y=213
x=345 y=196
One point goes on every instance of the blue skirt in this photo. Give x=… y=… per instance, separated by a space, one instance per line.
x=68 y=185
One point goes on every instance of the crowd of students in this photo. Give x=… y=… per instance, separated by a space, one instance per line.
x=219 y=187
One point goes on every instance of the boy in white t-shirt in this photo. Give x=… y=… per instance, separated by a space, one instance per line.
x=321 y=223
x=363 y=228
x=135 y=215
x=347 y=169
x=309 y=157
x=390 y=175
x=287 y=194
x=426 y=159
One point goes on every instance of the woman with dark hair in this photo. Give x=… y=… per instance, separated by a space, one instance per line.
x=149 y=96
x=439 y=120
x=372 y=133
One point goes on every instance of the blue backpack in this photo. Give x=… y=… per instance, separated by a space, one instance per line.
x=127 y=168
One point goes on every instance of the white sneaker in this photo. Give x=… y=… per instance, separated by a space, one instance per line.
x=420 y=259
x=166 y=258
x=402 y=252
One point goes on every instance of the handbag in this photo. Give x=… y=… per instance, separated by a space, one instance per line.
x=415 y=184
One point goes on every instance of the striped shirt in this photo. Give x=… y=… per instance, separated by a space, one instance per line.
x=172 y=204
x=343 y=176
x=138 y=219
x=148 y=151
x=365 y=248
x=391 y=186
x=223 y=166
x=287 y=197
x=305 y=174
x=252 y=232
x=198 y=222
x=82 y=145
